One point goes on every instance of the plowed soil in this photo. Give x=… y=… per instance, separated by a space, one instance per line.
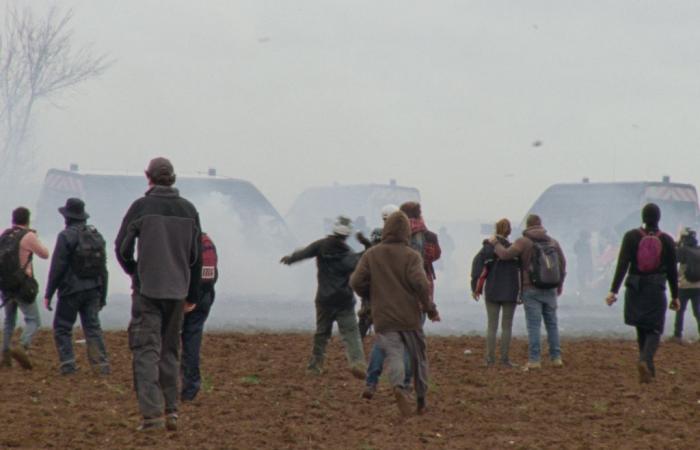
x=257 y=395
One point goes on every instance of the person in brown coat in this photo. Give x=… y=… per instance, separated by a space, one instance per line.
x=391 y=274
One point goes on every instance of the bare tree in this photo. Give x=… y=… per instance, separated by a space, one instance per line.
x=37 y=62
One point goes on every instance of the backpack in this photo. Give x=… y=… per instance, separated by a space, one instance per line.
x=692 y=264
x=209 y=259
x=545 y=264
x=649 y=252
x=89 y=259
x=11 y=274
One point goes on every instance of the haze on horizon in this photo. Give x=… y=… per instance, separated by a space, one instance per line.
x=445 y=96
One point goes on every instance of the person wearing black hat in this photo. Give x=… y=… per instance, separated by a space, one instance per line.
x=158 y=246
x=648 y=258
x=79 y=273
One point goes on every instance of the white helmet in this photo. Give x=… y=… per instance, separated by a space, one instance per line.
x=388 y=210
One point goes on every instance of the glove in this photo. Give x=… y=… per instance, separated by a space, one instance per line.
x=286 y=260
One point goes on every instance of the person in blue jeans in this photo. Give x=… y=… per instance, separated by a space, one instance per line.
x=539 y=300
x=193 y=323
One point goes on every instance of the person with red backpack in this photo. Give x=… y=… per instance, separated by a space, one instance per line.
x=193 y=324
x=648 y=258
x=423 y=241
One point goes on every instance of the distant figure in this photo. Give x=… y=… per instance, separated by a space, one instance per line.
x=447 y=245
x=648 y=257
x=19 y=288
x=162 y=229
x=584 y=260
x=424 y=241
x=501 y=287
x=688 y=281
x=79 y=273
x=193 y=325
x=542 y=272
x=335 y=301
x=392 y=275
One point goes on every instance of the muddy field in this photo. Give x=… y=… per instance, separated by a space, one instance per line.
x=258 y=396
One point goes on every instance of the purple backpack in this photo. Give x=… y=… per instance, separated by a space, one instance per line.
x=649 y=252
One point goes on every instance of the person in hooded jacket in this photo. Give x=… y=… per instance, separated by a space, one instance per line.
x=688 y=283
x=391 y=274
x=501 y=292
x=645 y=290
x=335 y=301
x=539 y=303
x=76 y=295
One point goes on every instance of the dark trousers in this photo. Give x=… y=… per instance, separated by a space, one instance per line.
x=192 y=329
x=154 y=340
x=685 y=295
x=648 y=341
x=87 y=304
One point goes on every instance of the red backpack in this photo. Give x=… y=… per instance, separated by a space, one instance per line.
x=649 y=252
x=209 y=259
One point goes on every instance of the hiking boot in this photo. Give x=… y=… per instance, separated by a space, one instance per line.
x=151 y=424
x=171 y=422
x=358 y=370
x=20 y=355
x=532 y=365
x=558 y=363
x=421 y=407
x=6 y=360
x=645 y=375
x=507 y=364
x=369 y=391
x=403 y=401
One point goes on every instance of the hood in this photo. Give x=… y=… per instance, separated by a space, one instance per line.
x=536 y=233
x=396 y=229
x=417 y=225
x=163 y=191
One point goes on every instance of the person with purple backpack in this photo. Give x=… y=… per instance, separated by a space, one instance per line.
x=648 y=257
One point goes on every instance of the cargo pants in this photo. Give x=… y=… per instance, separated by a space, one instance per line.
x=154 y=340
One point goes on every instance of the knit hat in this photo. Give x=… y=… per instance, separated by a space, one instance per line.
x=388 y=210
x=651 y=214
x=342 y=226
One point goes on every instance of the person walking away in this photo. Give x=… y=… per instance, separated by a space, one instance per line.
x=193 y=326
x=364 y=315
x=79 y=273
x=392 y=275
x=334 y=301
x=542 y=273
x=648 y=258
x=688 y=254
x=164 y=227
x=501 y=292
x=19 y=289
x=424 y=241
x=584 y=260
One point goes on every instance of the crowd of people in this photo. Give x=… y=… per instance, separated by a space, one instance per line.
x=173 y=268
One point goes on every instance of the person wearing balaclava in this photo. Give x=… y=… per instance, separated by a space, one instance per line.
x=335 y=301
x=648 y=258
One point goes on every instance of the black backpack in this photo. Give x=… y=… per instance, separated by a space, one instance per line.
x=545 y=264
x=89 y=258
x=692 y=264
x=11 y=274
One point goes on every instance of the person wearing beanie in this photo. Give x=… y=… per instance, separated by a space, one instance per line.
x=648 y=260
x=335 y=301
x=158 y=247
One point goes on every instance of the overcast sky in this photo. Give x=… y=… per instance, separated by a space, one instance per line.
x=447 y=96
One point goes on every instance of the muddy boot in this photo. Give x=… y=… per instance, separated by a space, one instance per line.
x=421 y=406
x=20 y=355
x=645 y=375
x=369 y=391
x=6 y=360
x=171 y=422
x=358 y=370
x=151 y=424
x=403 y=401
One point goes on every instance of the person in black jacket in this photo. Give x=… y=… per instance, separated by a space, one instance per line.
x=502 y=290
x=335 y=301
x=645 y=296
x=165 y=280
x=76 y=294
